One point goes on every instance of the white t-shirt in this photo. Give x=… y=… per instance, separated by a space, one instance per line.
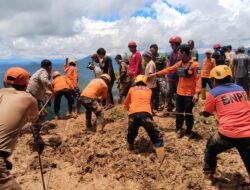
x=151 y=68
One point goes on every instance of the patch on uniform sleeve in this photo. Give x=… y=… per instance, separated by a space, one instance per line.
x=198 y=71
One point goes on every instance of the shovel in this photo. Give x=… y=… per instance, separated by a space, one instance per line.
x=160 y=153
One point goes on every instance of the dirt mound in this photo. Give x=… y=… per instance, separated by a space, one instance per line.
x=90 y=160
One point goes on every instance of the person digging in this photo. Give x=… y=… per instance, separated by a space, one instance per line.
x=229 y=102
x=138 y=104
x=91 y=97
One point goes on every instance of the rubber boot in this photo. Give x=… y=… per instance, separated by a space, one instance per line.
x=203 y=93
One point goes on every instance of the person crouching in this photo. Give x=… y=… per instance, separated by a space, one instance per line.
x=62 y=87
x=138 y=103
x=91 y=97
x=229 y=102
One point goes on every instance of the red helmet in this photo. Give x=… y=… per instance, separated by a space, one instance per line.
x=175 y=39
x=217 y=46
x=132 y=43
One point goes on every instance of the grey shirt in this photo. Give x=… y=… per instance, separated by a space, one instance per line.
x=241 y=63
x=39 y=82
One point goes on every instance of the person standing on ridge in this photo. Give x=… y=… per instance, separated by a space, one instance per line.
x=40 y=84
x=208 y=64
x=138 y=104
x=62 y=87
x=95 y=69
x=161 y=83
x=91 y=97
x=188 y=89
x=172 y=78
x=107 y=68
x=230 y=56
x=71 y=71
x=17 y=107
x=194 y=51
x=241 y=64
x=134 y=67
x=151 y=83
x=234 y=119
x=219 y=55
x=123 y=83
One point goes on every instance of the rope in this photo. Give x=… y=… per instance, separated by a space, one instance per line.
x=177 y=113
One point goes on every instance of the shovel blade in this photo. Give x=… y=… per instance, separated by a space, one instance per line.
x=160 y=153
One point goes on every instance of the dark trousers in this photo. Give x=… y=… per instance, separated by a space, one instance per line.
x=219 y=143
x=145 y=120
x=160 y=96
x=58 y=96
x=243 y=82
x=153 y=98
x=184 y=104
x=171 y=90
x=205 y=81
x=111 y=99
x=92 y=105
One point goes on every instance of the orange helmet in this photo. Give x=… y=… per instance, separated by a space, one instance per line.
x=73 y=60
x=141 y=78
x=208 y=52
x=16 y=76
x=175 y=39
x=220 y=72
x=105 y=77
x=55 y=74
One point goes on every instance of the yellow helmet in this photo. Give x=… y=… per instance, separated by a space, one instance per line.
x=55 y=74
x=220 y=72
x=105 y=76
x=73 y=60
x=141 y=78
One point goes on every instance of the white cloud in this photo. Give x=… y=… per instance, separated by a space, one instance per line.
x=59 y=28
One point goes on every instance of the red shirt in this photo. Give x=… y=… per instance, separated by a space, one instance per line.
x=229 y=101
x=134 y=67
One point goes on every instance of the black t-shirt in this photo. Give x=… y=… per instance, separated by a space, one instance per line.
x=220 y=57
x=107 y=61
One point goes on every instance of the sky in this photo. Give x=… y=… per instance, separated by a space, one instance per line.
x=31 y=29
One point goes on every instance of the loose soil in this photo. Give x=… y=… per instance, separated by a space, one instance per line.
x=87 y=160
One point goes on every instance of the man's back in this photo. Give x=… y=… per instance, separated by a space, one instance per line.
x=61 y=82
x=138 y=99
x=39 y=82
x=230 y=103
x=16 y=109
x=96 y=89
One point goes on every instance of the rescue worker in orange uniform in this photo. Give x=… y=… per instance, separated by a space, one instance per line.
x=71 y=72
x=229 y=101
x=188 y=88
x=138 y=104
x=92 y=96
x=62 y=87
x=208 y=64
x=17 y=107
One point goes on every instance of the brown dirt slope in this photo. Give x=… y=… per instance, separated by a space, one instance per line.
x=93 y=161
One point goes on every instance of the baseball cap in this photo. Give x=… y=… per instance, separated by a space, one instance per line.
x=16 y=76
